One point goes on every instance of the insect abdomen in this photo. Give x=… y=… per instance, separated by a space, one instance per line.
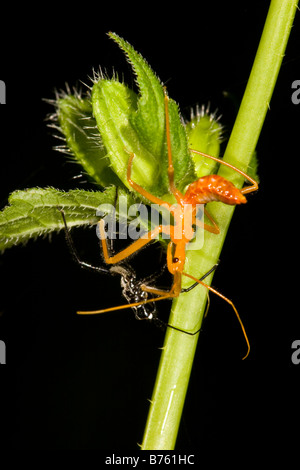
x=213 y=188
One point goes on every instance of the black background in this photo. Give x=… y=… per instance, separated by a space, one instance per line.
x=83 y=383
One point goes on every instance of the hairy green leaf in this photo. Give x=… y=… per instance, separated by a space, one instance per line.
x=131 y=124
x=112 y=103
x=35 y=212
x=149 y=117
x=204 y=134
x=77 y=124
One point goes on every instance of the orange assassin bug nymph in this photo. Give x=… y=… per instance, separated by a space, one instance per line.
x=131 y=286
x=205 y=189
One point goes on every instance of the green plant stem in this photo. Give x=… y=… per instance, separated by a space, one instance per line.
x=187 y=311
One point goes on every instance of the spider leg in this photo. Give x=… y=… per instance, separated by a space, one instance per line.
x=73 y=249
x=188 y=289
